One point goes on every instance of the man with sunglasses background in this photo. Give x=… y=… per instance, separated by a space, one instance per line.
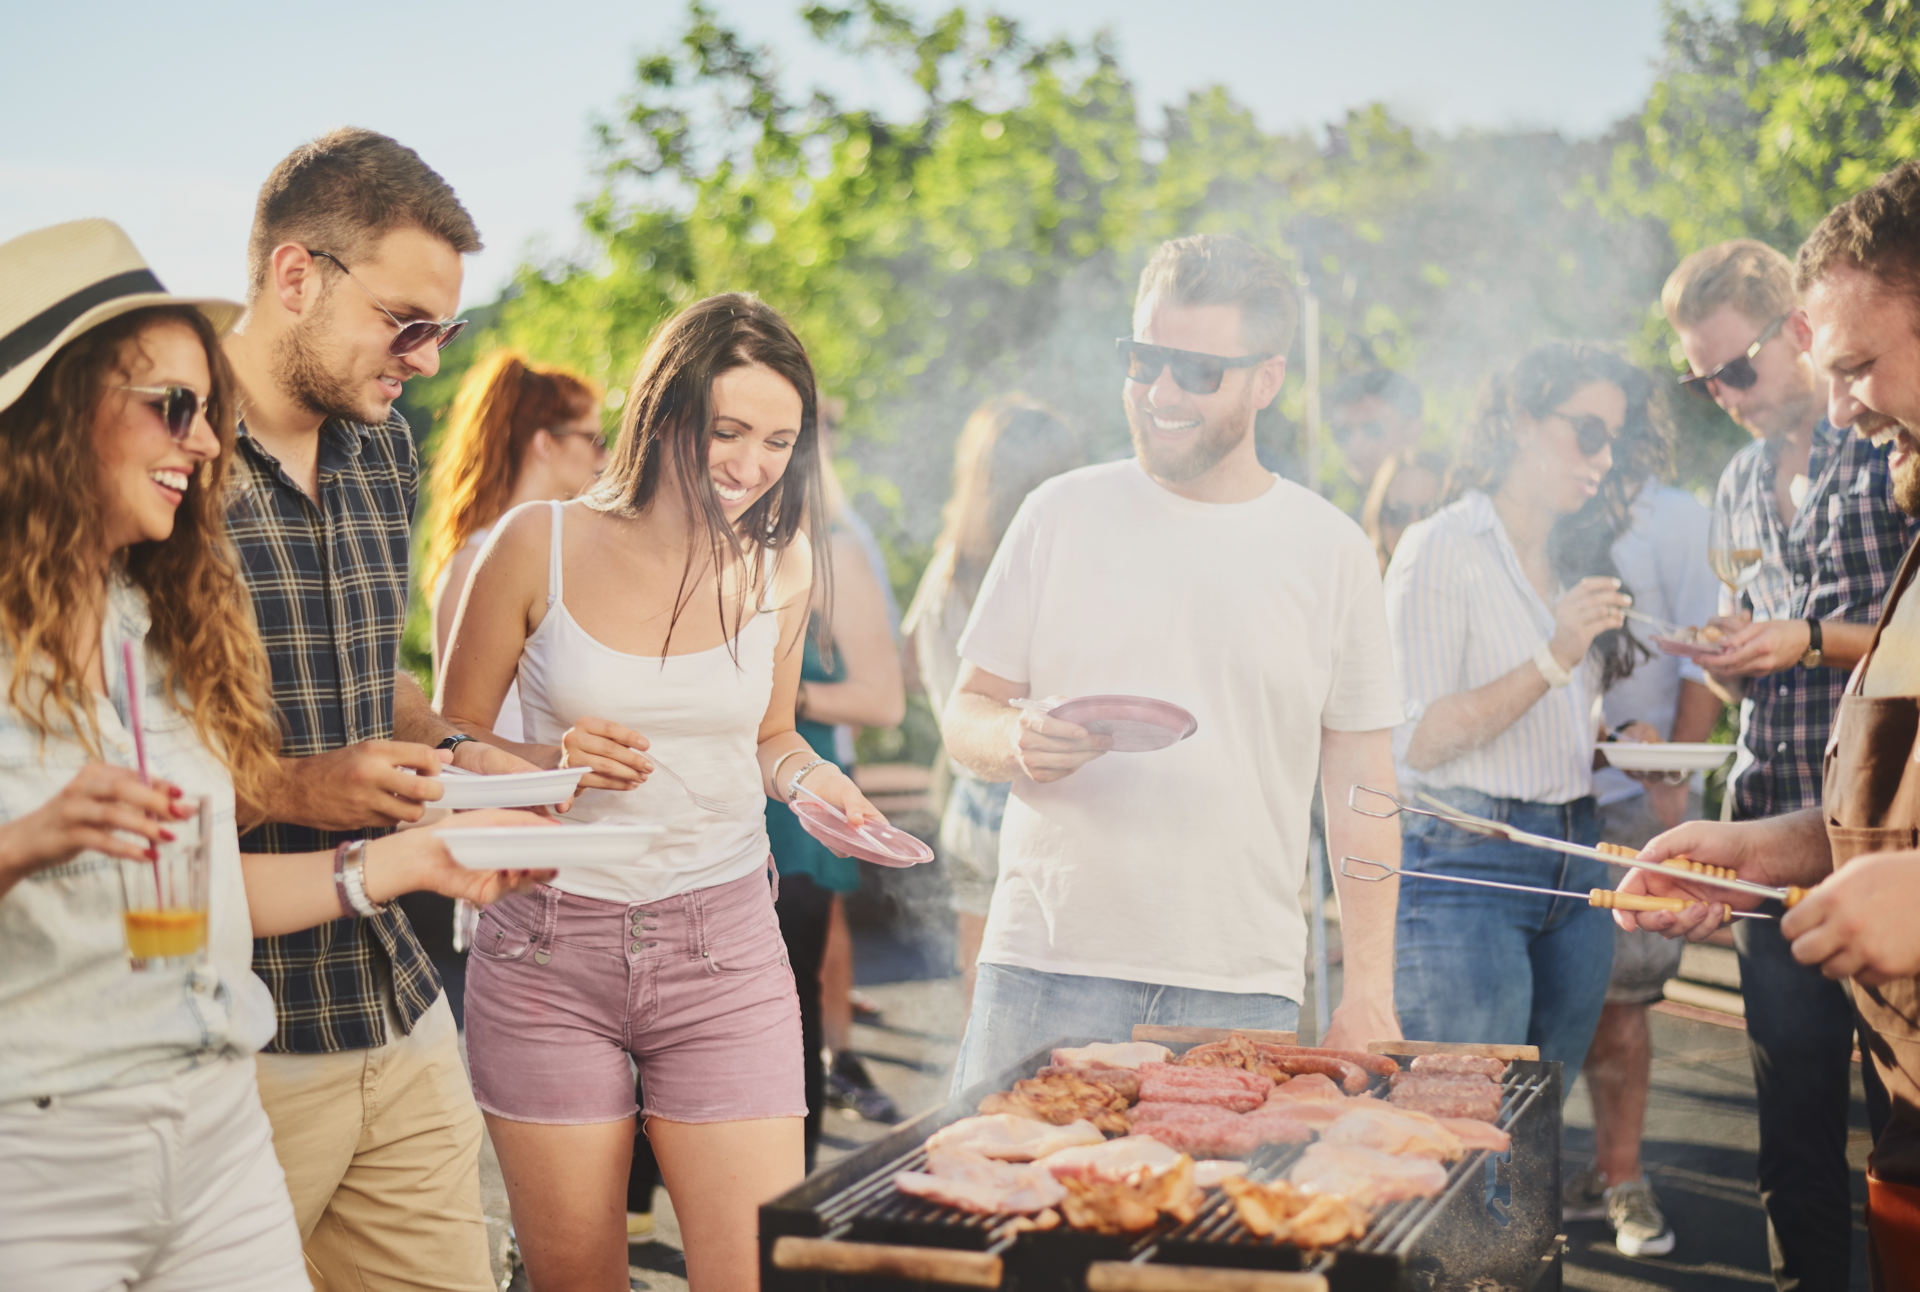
x=354 y=264
x=1819 y=505
x=1373 y=414
x=1163 y=887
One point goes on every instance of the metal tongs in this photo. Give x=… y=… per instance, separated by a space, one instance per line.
x=1694 y=871
x=1606 y=898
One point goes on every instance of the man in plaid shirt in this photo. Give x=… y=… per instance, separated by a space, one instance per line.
x=353 y=261
x=1817 y=504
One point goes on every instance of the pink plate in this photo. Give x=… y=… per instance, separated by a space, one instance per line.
x=1138 y=725
x=1687 y=649
x=895 y=847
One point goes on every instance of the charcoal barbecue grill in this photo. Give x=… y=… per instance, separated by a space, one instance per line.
x=1495 y=1226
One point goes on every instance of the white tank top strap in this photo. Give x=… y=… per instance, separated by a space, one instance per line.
x=553 y=554
x=766 y=584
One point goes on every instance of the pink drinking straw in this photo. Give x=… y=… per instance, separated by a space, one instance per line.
x=139 y=743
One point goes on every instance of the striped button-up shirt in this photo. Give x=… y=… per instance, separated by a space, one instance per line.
x=1836 y=560
x=1463 y=614
x=329 y=585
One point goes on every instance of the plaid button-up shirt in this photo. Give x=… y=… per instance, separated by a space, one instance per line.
x=1835 y=561
x=329 y=584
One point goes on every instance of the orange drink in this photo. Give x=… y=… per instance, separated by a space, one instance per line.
x=162 y=935
x=165 y=901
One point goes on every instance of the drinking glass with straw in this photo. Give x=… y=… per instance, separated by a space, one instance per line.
x=164 y=899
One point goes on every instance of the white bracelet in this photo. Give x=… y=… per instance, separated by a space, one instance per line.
x=1549 y=667
x=353 y=877
x=793 y=786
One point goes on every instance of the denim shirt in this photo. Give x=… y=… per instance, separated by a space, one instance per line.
x=74 y=1016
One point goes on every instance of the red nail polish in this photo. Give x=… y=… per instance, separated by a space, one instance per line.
x=173 y=791
x=166 y=836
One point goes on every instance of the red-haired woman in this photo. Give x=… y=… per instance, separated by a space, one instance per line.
x=671 y=599
x=518 y=432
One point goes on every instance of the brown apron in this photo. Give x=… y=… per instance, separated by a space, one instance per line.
x=1872 y=795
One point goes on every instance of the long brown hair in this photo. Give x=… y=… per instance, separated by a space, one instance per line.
x=1580 y=544
x=501 y=403
x=50 y=573
x=669 y=414
x=1009 y=446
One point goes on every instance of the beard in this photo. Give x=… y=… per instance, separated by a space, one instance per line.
x=1906 y=475
x=1217 y=438
x=312 y=380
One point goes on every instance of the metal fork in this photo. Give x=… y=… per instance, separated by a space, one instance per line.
x=701 y=801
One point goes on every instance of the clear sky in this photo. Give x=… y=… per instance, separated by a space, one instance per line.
x=166 y=118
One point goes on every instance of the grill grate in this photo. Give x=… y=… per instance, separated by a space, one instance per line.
x=1466 y=1228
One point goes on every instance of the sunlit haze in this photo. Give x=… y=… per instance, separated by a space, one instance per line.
x=169 y=125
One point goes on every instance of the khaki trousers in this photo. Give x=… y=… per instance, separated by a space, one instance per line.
x=381 y=1149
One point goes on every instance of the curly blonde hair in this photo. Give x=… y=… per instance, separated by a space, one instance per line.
x=51 y=563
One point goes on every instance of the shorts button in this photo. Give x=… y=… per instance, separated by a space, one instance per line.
x=1781 y=747
x=636 y=946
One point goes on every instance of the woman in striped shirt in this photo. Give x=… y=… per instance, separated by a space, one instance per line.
x=1506 y=613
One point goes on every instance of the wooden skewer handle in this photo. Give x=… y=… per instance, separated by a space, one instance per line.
x=1124 y=1276
x=927 y=1264
x=1793 y=896
x=1614 y=900
x=1677 y=863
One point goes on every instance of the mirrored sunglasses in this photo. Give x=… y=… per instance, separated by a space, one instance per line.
x=1193 y=372
x=177 y=406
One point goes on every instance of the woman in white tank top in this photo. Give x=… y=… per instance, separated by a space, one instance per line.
x=660 y=616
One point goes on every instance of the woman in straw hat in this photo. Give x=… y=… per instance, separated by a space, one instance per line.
x=133 y=1149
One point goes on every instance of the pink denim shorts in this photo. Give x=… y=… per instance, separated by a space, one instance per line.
x=696 y=988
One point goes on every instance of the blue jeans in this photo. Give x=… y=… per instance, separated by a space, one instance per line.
x=1479 y=964
x=1016 y=1011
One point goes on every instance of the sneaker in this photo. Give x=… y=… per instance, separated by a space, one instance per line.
x=865 y=1008
x=639 y=1226
x=1638 y=1227
x=1585 y=1195
x=850 y=1087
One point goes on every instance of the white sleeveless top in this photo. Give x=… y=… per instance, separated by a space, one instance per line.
x=701 y=714
x=509 y=724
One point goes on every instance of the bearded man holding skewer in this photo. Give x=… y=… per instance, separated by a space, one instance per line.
x=1164 y=887
x=1859 y=280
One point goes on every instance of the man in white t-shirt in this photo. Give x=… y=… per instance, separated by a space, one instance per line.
x=1164 y=887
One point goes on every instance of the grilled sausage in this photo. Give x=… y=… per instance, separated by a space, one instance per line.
x=1378 y=1064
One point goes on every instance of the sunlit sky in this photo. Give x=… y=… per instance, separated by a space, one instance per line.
x=166 y=118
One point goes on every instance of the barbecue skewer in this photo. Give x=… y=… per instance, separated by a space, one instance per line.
x=1607 y=898
x=1698 y=872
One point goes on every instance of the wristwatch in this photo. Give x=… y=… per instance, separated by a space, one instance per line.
x=451 y=741
x=1814 y=654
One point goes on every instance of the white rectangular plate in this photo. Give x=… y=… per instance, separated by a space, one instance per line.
x=539 y=847
x=1672 y=756
x=463 y=791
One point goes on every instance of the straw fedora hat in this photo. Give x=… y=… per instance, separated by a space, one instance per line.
x=57 y=282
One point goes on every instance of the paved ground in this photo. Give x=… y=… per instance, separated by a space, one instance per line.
x=1700 y=1135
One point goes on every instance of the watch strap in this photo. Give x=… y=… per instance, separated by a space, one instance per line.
x=451 y=741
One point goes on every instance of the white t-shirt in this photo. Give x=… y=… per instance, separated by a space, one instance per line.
x=1264 y=619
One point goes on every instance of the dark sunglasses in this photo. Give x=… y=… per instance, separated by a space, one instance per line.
x=1736 y=372
x=411 y=335
x=1403 y=514
x=1193 y=372
x=1589 y=432
x=177 y=406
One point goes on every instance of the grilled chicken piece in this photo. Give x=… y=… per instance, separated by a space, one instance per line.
x=1114 y=1160
x=1124 y=1081
x=1393 y=1130
x=1314 y=1087
x=1132 y=1205
x=1062 y=1099
x=1008 y=1138
x=968 y=1182
x=1103 y=1054
x=1365 y=1177
x=1287 y=1212
x=1475 y=1134
x=1492 y=1069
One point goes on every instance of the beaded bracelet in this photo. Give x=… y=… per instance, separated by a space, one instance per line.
x=793 y=786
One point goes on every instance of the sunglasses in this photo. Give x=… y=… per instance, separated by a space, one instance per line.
x=177 y=406
x=1193 y=372
x=1589 y=432
x=1736 y=372
x=1403 y=514
x=411 y=335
